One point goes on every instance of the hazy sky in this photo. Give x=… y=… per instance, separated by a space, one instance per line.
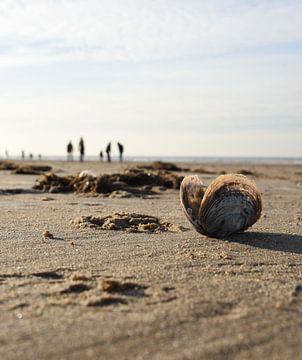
x=164 y=77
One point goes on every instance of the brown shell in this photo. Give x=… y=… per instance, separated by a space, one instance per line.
x=230 y=204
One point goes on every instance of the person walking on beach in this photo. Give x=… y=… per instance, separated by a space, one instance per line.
x=69 y=151
x=81 y=149
x=101 y=155
x=108 y=150
x=121 y=150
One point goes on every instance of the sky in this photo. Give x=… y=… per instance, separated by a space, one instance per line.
x=163 y=77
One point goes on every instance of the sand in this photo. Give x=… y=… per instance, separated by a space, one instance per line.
x=90 y=293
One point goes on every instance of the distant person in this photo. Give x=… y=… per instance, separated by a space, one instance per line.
x=6 y=154
x=121 y=150
x=101 y=155
x=40 y=156
x=69 y=151
x=22 y=155
x=108 y=151
x=31 y=156
x=82 y=149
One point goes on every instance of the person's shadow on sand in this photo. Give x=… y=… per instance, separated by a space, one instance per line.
x=270 y=241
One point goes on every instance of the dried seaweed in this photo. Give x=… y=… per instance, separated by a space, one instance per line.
x=32 y=169
x=161 y=165
x=6 y=165
x=26 y=169
x=133 y=181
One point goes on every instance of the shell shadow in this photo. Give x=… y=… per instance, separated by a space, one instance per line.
x=270 y=241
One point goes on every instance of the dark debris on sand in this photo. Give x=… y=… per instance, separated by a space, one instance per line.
x=161 y=165
x=127 y=288
x=32 y=169
x=130 y=222
x=24 y=169
x=17 y=191
x=168 y=166
x=6 y=165
x=133 y=181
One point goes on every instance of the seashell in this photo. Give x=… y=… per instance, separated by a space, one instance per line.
x=230 y=204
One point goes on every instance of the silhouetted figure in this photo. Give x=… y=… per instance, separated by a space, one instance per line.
x=82 y=149
x=121 y=150
x=31 y=156
x=101 y=155
x=22 y=155
x=40 y=156
x=108 y=150
x=69 y=151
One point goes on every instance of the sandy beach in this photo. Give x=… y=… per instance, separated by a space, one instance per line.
x=89 y=293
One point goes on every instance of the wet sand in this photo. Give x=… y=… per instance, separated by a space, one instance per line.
x=88 y=293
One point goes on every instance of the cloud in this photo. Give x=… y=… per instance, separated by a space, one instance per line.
x=35 y=31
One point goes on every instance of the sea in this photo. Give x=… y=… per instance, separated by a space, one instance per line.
x=189 y=159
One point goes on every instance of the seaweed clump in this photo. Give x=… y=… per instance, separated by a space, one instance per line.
x=133 y=181
x=161 y=165
x=31 y=169
x=6 y=165
x=24 y=169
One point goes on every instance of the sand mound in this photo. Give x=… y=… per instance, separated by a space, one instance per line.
x=130 y=222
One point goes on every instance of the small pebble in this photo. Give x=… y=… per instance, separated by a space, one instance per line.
x=47 y=234
x=47 y=198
